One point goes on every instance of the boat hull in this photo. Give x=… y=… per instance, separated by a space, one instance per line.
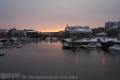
x=114 y=49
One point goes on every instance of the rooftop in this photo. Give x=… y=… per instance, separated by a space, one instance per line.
x=81 y=29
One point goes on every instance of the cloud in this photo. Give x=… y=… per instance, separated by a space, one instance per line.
x=53 y=12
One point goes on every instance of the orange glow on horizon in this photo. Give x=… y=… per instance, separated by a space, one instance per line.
x=52 y=29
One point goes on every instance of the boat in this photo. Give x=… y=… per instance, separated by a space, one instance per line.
x=106 y=45
x=115 y=49
x=94 y=45
x=1 y=53
x=18 y=45
x=65 y=45
x=1 y=45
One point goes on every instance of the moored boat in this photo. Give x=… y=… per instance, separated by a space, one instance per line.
x=1 y=45
x=105 y=45
x=94 y=45
x=1 y=53
x=18 y=45
x=115 y=49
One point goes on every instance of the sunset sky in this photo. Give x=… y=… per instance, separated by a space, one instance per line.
x=54 y=15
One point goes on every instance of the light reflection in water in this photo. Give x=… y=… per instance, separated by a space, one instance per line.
x=89 y=64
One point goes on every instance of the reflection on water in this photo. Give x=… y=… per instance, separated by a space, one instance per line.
x=50 y=58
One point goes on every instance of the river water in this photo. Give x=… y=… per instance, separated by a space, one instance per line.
x=50 y=59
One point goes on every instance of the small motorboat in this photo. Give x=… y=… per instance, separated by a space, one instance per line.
x=1 y=45
x=18 y=45
x=93 y=45
x=83 y=46
x=114 y=49
x=1 y=53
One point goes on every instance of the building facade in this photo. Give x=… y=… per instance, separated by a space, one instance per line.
x=113 y=28
x=112 y=25
x=78 y=31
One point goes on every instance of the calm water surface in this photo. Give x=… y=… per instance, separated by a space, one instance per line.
x=50 y=58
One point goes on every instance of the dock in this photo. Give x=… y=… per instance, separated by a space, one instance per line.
x=102 y=42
